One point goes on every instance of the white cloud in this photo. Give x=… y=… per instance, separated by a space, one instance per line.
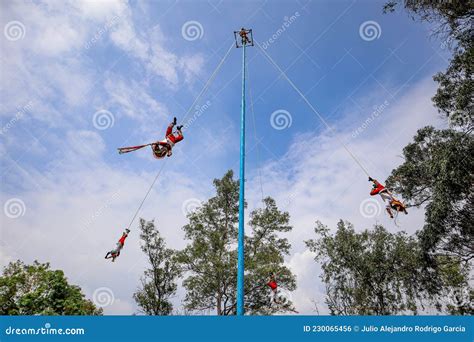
x=126 y=38
x=119 y=307
x=192 y=66
x=309 y=296
x=49 y=66
x=132 y=100
x=149 y=48
x=100 y=10
x=85 y=144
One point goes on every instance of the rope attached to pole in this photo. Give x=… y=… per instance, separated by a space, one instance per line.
x=147 y=193
x=206 y=87
x=255 y=135
x=208 y=83
x=312 y=108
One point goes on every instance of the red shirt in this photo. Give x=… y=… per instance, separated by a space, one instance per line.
x=273 y=285
x=122 y=239
x=378 y=188
x=174 y=138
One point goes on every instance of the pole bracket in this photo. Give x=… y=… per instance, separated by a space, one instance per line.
x=243 y=37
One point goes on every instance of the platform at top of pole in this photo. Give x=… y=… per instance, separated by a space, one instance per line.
x=243 y=37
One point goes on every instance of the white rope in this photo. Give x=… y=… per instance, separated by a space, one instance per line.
x=256 y=136
x=312 y=108
x=147 y=193
x=208 y=83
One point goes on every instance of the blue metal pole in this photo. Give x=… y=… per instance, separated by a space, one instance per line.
x=240 y=265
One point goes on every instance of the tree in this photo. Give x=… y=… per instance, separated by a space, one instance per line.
x=454 y=97
x=211 y=256
x=264 y=254
x=375 y=272
x=454 y=23
x=158 y=284
x=457 y=292
x=437 y=173
x=37 y=290
x=453 y=17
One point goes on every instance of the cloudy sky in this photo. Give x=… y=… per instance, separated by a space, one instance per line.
x=79 y=79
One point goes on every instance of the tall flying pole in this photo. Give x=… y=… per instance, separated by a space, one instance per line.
x=240 y=268
x=245 y=39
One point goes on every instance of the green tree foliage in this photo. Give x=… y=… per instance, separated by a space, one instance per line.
x=375 y=272
x=211 y=256
x=458 y=295
x=452 y=18
x=453 y=22
x=38 y=290
x=455 y=93
x=438 y=167
x=437 y=172
x=264 y=254
x=158 y=284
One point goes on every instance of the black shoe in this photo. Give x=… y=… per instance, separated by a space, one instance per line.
x=179 y=127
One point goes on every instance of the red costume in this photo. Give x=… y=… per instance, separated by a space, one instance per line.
x=171 y=138
x=122 y=239
x=273 y=285
x=116 y=252
x=377 y=188
x=160 y=148
x=393 y=203
x=243 y=35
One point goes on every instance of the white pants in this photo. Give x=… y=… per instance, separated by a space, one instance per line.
x=117 y=249
x=386 y=197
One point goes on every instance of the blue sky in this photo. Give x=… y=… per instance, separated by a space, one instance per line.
x=66 y=66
